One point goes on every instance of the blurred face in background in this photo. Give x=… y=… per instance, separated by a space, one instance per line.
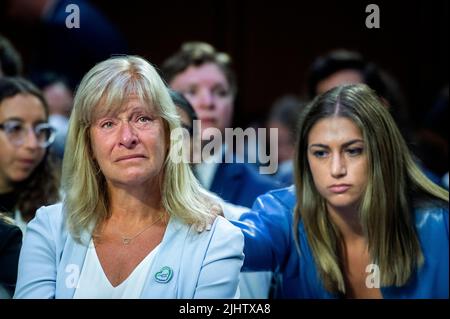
x=59 y=98
x=341 y=77
x=286 y=142
x=20 y=150
x=208 y=90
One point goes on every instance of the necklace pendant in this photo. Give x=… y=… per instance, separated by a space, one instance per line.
x=126 y=240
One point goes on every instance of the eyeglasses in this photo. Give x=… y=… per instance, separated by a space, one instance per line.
x=17 y=132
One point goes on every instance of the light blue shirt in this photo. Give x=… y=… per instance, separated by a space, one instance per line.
x=188 y=264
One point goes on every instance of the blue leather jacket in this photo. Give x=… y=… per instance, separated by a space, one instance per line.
x=270 y=245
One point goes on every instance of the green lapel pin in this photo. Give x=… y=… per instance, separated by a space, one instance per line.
x=164 y=275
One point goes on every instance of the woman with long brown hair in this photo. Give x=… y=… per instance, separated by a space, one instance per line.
x=363 y=221
x=28 y=180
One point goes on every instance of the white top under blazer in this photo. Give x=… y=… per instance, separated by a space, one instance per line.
x=93 y=283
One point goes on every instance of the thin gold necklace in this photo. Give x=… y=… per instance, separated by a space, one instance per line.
x=126 y=240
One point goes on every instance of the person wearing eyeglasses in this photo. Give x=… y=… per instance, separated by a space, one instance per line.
x=27 y=177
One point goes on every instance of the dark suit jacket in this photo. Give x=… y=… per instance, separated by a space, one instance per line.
x=10 y=243
x=73 y=52
x=240 y=184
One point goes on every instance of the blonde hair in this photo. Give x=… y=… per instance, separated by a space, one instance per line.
x=109 y=84
x=386 y=209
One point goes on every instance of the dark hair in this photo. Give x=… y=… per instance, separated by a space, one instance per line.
x=11 y=86
x=197 y=54
x=41 y=187
x=378 y=80
x=335 y=61
x=44 y=79
x=180 y=101
x=10 y=60
x=338 y=60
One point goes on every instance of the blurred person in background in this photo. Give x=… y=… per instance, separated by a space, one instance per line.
x=252 y=285
x=28 y=178
x=205 y=77
x=59 y=97
x=284 y=117
x=65 y=48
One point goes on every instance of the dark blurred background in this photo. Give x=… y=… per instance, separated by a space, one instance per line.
x=272 y=43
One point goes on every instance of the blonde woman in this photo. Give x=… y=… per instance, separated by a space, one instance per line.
x=362 y=220
x=126 y=226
